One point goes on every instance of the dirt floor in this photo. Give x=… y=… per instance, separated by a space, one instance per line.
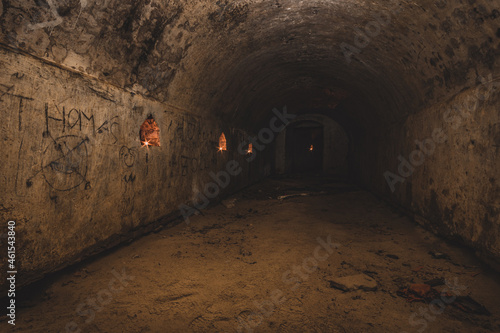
x=335 y=259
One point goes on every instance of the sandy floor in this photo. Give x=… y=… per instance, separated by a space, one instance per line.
x=259 y=266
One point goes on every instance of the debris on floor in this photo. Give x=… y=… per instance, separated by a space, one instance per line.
x=439 y=255
x=436 y=282
x=273 y=266
x=422 y=292
x=419 y=292
x=283 y=197
x=354 y=282
x=392 y=256
x=229 y=203
x=469 y=305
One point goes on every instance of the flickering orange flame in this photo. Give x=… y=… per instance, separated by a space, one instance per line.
x=222 y=143
x=312 y=148
x=250 y=149
x=150 y=133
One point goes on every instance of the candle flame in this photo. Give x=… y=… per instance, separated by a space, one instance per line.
x=250 y=149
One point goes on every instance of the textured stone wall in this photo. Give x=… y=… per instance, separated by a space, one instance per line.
x=443 y=166
x=239 y=59
x=73 y=171
x=384 y=70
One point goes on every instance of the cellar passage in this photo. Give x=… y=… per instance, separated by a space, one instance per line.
x=119 y=117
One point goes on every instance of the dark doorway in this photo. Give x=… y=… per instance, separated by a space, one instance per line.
x=304 y=147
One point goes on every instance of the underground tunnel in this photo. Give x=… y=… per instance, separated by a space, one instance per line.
x=250 y=166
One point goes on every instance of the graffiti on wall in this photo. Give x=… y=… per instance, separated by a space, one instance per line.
x=6 y=91
x=63 y=120
x=69 y=134
x=63 y=161
x=190 y=146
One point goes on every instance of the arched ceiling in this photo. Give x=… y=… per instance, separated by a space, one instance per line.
x=239 y=59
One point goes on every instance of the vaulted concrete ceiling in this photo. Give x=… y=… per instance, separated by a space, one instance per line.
x=239 y=59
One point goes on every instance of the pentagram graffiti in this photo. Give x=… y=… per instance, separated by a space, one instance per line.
x=65 y=163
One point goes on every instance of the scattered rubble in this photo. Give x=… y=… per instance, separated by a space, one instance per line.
x=229 y=203
x=392 y=256
x=355 y=282
x=439 y=255
x=283 y=197
x=422 y=292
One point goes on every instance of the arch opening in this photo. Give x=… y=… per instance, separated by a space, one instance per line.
x=305 y=147
x=312 y=143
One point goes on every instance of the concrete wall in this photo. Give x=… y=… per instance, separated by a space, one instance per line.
x=444 y=165
x=74 y=174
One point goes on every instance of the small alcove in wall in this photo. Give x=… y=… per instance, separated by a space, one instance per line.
x=150 y=133
x=250 y=149
x=222 y=142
